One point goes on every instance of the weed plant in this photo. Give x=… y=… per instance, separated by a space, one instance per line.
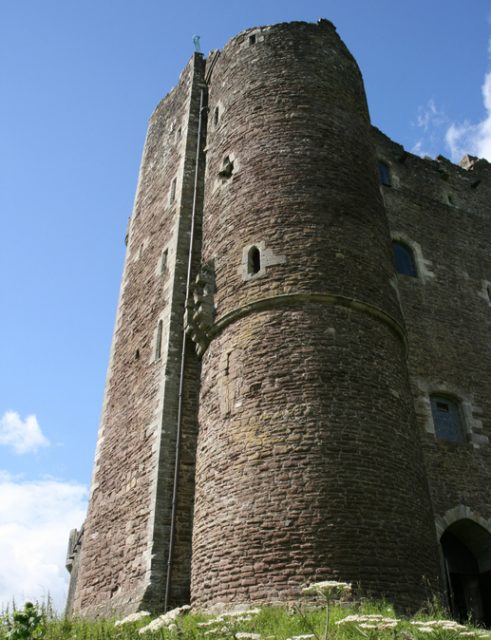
x=302 y=621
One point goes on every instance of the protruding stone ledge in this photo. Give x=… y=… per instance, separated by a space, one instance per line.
x=292 y=299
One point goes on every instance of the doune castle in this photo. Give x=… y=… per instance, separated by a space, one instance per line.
x=300 y=376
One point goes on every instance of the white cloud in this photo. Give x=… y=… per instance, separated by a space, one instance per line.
x=460 y=138
x=430 y=116
x=431 y=119
x=35 y=520
x=474 y=139
x=23 y=436
x=419 y=149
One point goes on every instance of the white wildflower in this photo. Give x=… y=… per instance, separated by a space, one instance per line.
x=368 y=625
x=173 y=627
x=212 y=632
x=209 y=623
x=164 y=620
x=238 y=614
x=327 y=588
x=307 y=636
x=244 y=619
x=436 y=625
x=387 y=625
x=133 y=617
x=371 y=618
x=352 y=618
x=443 y=624
x=244 y=635
x=426 y=629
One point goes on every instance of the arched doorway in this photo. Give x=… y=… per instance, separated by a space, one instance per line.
x=466 y=548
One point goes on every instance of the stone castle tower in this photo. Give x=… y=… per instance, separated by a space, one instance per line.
x=299 y=384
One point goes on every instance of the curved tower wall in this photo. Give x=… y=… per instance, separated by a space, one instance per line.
x=308 y=463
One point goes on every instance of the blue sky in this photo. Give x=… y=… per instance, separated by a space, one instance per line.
x=79 y=80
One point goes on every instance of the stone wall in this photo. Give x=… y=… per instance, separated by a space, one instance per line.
x=125 y=552
x=316 y=456
x=309 y=464
x=443 y=212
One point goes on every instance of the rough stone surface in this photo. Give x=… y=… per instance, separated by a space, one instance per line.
x=308 y=449
x=448 y=316
x=305 y=409
x=125 y=547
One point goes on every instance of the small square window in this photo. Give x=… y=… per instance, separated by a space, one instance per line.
x=384 y=174
x=447 y=419
x=404 y=259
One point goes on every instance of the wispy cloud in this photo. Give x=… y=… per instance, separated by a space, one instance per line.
x=35 y=520
x=474 y=139
x=432 y=121
x=459 y=138
x=430 y=116
x=23 y=436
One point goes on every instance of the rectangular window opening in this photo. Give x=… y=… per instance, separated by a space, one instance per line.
x=173 y=190
x=163 y=261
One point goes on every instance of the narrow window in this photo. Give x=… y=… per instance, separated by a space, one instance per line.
x=450 y=199
x=253 y=261
x=173 y=190
x=216 y=116
x=488 y=289
x=227 y=168
x=158 y=342
x=384 y=174
x=404 y=259
x=446 y=419
x=163 y=261
x=252 y=39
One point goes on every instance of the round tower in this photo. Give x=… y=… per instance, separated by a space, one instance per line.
x=309 y=464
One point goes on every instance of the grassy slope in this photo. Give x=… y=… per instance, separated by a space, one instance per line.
x=271 y=624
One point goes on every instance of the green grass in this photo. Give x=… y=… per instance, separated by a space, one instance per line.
x=271 y=623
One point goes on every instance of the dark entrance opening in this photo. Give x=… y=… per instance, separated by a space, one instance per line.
x=466 y=550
